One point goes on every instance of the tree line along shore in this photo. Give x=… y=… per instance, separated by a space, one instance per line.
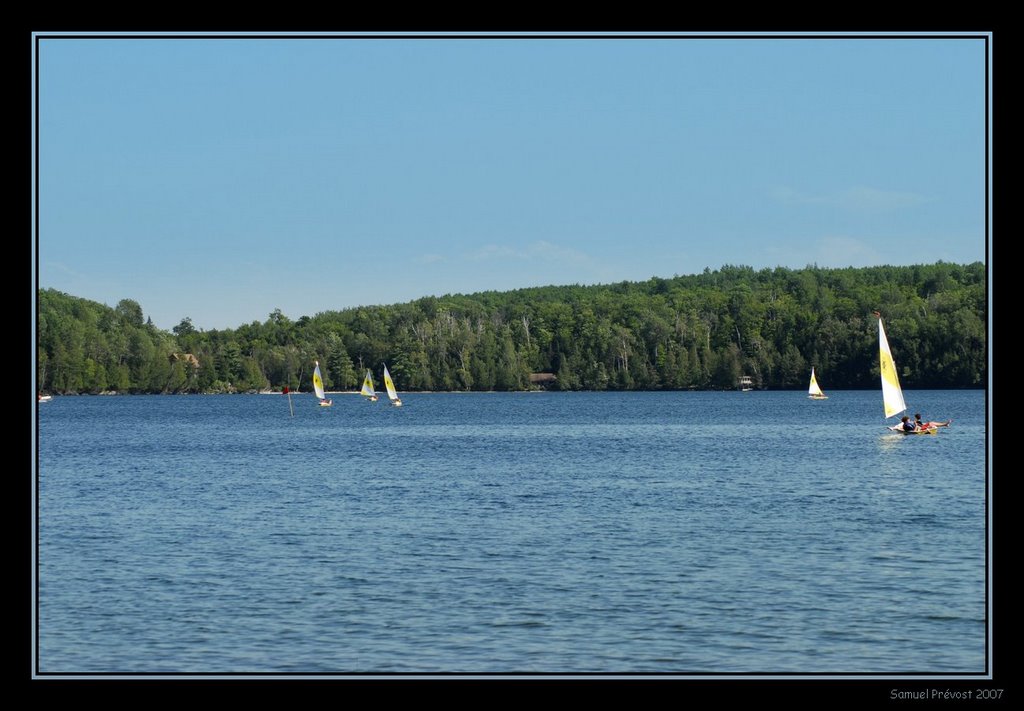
x=703 y=331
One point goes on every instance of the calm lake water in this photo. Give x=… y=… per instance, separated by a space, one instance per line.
x=669 y=533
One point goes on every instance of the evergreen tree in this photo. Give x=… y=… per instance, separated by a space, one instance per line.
x=699 y=331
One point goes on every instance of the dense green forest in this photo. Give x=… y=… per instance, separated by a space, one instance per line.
x=703 y=331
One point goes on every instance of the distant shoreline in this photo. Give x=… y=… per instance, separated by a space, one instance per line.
x=492 y=392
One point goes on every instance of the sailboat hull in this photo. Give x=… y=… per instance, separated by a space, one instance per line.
x=898 y=428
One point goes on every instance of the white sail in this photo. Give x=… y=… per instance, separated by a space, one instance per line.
x=814 y=391
x=892 y=395
x=367 y=389
x=318 y=382
x=392 y=394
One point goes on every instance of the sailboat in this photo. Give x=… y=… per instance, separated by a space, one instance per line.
x=814 y=392
x=892 y=394
x=318 y=386
x=392 y=394
x=367 y=390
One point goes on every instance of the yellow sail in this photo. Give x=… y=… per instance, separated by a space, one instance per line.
x=392 y=394
x=814 y=392
x=892 y=395
x=318 y=382
x=367 y=389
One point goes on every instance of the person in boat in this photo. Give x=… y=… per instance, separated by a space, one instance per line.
x=908 y=426
x=928 y=425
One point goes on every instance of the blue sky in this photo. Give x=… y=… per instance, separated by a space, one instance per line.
x=221 y=179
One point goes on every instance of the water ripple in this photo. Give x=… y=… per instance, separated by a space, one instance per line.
x=572 y=533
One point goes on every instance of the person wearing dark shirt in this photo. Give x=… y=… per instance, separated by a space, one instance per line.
x=928 y=425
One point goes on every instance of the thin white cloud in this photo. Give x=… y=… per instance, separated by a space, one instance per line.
x=63 y=268
x=789 y=196
x=430 y=258
x=842 y=251
x=855 y=199
x=545 y=262
x=863 y=198
x=568 y=255
x=537 y=250
x=830 y=251
x=493 y=251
